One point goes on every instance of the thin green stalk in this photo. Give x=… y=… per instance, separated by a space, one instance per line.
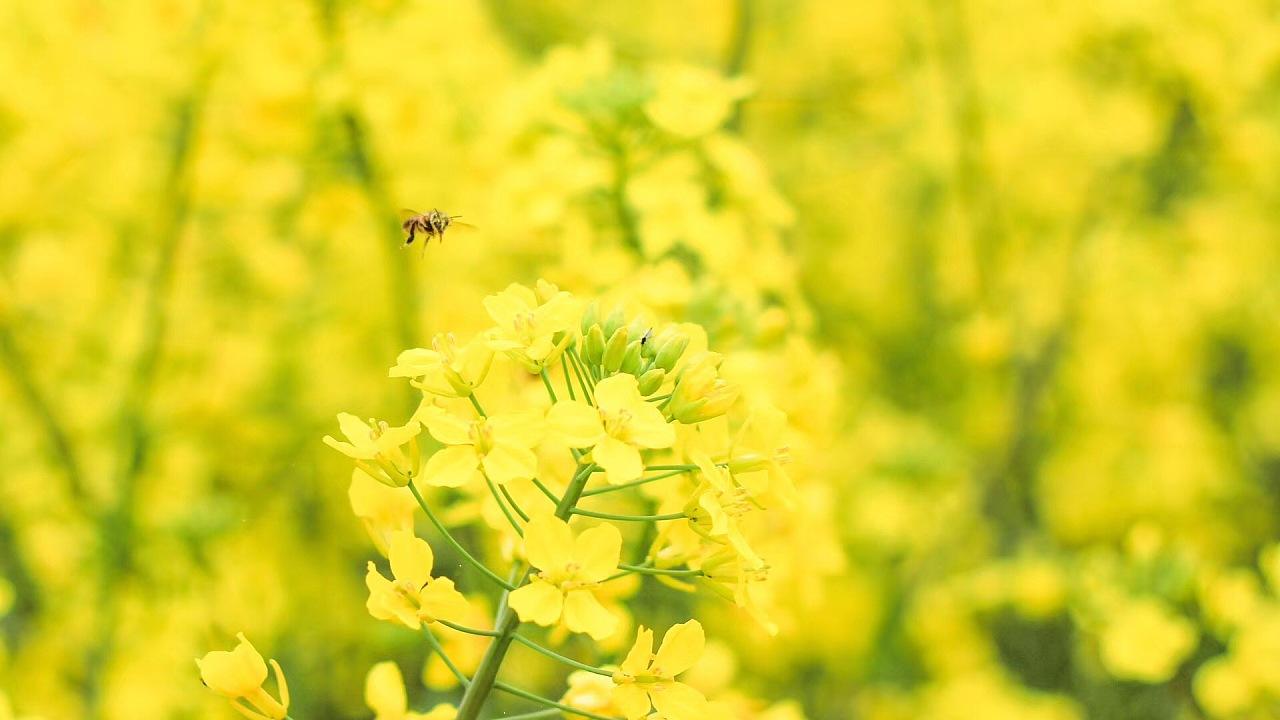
x=547 y=491
x=676 y=467
x=476 y=404
x=454 y=543
x=558 y=657
x=628 y=518
x=486 y=675
x=439 y=650
x=467 y=630
x=545 y=701
x=568 y=384
x=646 y=570
x=546 y=381
x=549 y=712
x=493 y=490
x=580 y=373
x=514 y=505
x=633 y=483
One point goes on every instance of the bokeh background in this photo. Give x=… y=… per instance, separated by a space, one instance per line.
x=1011 y=268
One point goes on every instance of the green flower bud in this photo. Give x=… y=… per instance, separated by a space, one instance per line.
x=590 y=317
x=614 y=350
x=614 y=321
x=593 y=346
x=631 y=359
x=670 y=352
x=651 y=381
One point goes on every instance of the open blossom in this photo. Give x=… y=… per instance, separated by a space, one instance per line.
x=413 y=596
x=379 y=449
x=446 y=369
x=500 y=446
x=617 y=428
x=568 y=570
x=238 y=676
x=533 y=328
x=646 y=677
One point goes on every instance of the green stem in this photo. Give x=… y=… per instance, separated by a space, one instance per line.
x=457 y=547
x=646 y=570
x=547 y=491
x=677 y=467
x=568 y=384
x=486 y=677
x=558 y=657
x=628 y=518
x=549 y=712
x=579 y=371
x=476 y=404
x=439 y=650
x=467 y=630
x=633 y=483
x=493 y=490
x=546 y=381
x=545 y=701
x=514 y=505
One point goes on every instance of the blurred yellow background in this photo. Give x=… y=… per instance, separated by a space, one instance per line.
x=1011 y=269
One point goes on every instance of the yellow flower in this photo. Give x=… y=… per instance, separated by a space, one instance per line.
x=1145 y=641
x=569 y=568
x=378 y=448
x=501 y=446
x=446 y=369
x=533 y=328
x=645 y=677
x=692 y=101
x=1222 y=689
x=414 y=596
x=591 y=692
x=718 y=504
x=620 y=424
x=384 y=694
x=238 y=676
x=382 y=509
x=700 y=393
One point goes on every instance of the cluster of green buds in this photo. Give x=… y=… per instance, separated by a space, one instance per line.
x=612 y=345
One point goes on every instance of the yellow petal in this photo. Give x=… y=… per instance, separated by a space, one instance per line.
x=452 y=467
x=649 y=428
x=681 y=648
x=234 y=673
x=505 y=463
x=583 y=613
x=637 y=660
x=440 y=599
x=575 y=423
x=631 y=700
x=618 y=392
x=384 y=690
x=597 y=551
x=537 y=602
x=620 y=461
x=356 y=430
x=448 y=428
x=677 y=701
x=548 y=543
x=411 y=558
x=524 y=429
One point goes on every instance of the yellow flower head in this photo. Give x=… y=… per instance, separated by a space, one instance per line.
x=645 y=677
x=446 y=369
x=533 y=328
x=238 y=676
x=621 y=423
x=379 y=449
x=692 y=101
x=700 y=393
x=568 y=570
x=413 y=596
x=591 y=692
x=500 y=446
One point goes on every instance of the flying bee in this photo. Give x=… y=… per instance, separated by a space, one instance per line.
x=431 y=225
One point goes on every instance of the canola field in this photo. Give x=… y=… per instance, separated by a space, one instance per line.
x=752 y=360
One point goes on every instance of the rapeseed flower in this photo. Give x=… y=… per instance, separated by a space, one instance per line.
x=379 y=449
x=238 y=675
x=446 y=369
x=568 y=569
x=385 y=695
x=413 y=596
x=617 y=428
x=499 y=446
x=646 y=678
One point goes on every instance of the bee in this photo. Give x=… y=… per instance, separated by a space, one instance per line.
x=431 y=225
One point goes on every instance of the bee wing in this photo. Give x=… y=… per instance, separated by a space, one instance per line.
x=406 y=213
x=460 y=224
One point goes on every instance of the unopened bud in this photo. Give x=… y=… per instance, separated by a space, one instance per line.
x=614 y=321
x=615 y=350
x=631 y=359
x=670 y=352
x=593 y=346
x=590 y=317
x=651 y=381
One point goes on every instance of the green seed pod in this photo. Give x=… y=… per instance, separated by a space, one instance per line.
x=593 y=346
x=631 y=359
x=614 y=321
x=614 y=350
x=590 y=317
x=670 y=352
x=651 y=381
